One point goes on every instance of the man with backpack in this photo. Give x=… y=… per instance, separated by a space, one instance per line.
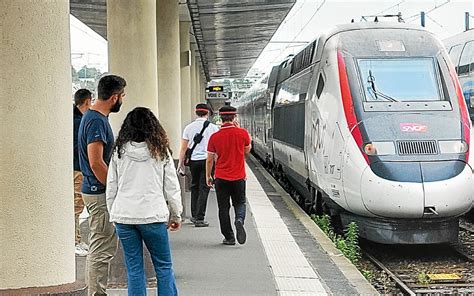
x=193 y=153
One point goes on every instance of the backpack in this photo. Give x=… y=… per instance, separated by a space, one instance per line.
x=196 y=140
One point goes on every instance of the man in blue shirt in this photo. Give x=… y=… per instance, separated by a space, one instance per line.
x=82 y=103
x=96 y=141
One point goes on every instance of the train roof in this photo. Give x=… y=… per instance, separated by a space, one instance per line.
x=313 y=51
x=460 y=38
x=372 y=25
x=294 y=64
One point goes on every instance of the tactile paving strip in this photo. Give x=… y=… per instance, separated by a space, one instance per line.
x=294 y=275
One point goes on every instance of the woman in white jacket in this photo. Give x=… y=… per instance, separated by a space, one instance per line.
x=144 y=198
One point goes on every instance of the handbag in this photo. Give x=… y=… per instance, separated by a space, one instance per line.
x=196 y=140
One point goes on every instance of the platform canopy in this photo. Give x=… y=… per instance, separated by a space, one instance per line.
x=230 y=35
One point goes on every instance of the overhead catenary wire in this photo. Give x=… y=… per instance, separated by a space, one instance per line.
x=416 y=16
x=292 y=14
x=295 y=13
x=276 y=49
x=387 y=9
x=434 y=21
x=301 y=30
x=100 y=39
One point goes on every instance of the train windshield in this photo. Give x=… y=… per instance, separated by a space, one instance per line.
x=399 y=80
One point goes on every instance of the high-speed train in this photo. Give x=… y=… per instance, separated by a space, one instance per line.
x=369 y=122
x=461 y=51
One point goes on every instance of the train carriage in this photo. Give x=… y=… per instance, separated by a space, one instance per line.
x=461 y=50
x=369 y=121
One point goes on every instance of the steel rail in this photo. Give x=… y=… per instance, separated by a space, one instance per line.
x=466 y=228
x=403 y=287
x=462 y=253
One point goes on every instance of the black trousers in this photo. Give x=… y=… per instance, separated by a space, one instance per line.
x=199 y=189
x=225 y=191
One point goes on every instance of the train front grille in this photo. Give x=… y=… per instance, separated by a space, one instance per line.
x=417 y=147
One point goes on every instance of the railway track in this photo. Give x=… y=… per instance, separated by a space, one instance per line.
x=467 y=228
x=442 y=270
x=451 y=266
x=465 y=245
x=411 y=275
x=411 y=287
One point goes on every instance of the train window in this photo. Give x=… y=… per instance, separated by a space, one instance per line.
x=399 y=80
x=319 y=89
x=293 y=89
x=454 y=54
x=467 y=58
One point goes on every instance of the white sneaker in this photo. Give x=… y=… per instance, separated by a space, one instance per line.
x=84 y=246
x=80 y=251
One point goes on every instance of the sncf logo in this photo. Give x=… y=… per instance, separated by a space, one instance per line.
x=413 y=128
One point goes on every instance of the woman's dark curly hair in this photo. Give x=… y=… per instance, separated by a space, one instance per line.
x=141 y=125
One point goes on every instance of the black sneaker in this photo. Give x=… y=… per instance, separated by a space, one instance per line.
x=229 y=242
x=193 y=220
x=241 y=235
x=201 y=223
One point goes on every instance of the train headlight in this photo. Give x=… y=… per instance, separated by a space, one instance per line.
x=380 y=148
x=453 y=147
x=472 y=100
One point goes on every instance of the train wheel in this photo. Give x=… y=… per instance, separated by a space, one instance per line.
x=337 y=223
x=310 y=205
x=309 y=208
x=318 y=207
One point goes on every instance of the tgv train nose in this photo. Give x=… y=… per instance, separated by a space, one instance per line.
x=418 y=190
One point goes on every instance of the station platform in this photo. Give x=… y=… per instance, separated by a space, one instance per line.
x=285 y=253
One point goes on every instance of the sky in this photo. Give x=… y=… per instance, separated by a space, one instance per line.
x=306 y=20
x=87 y=47
x=309 y=18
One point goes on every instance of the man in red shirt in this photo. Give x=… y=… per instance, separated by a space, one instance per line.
x=227 y=148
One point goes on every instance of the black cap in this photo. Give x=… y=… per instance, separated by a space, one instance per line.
x=202 y=107
x=228 y=110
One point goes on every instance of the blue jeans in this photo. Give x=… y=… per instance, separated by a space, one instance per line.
x=155 y=237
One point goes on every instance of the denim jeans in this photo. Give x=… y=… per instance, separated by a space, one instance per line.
x=155 y=236
x=225 y=191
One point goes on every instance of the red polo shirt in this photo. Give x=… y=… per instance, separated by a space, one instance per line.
x=229 y=143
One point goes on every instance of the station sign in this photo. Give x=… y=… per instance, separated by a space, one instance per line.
x=218 y=95
x=218 y=88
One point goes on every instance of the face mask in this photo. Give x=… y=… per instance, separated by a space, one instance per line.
x=116 y=107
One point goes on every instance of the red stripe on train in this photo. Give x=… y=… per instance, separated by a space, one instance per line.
x=348 y=104
x=466 y=126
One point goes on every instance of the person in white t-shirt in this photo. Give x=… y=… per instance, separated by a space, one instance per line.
x=197 y=164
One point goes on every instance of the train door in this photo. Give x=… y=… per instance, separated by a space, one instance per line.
x=313 y=126
x=462 y=56
x=466 y=75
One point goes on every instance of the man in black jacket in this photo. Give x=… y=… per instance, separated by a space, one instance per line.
x=82 y=102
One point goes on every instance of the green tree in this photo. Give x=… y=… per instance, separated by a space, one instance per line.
x=75 y=76
x=86 y=72
x=227 y=84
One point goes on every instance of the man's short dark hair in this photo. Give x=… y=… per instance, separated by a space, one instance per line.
x=110 y=85
x=200 y=110
x=81 y=96
x=227 y=113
